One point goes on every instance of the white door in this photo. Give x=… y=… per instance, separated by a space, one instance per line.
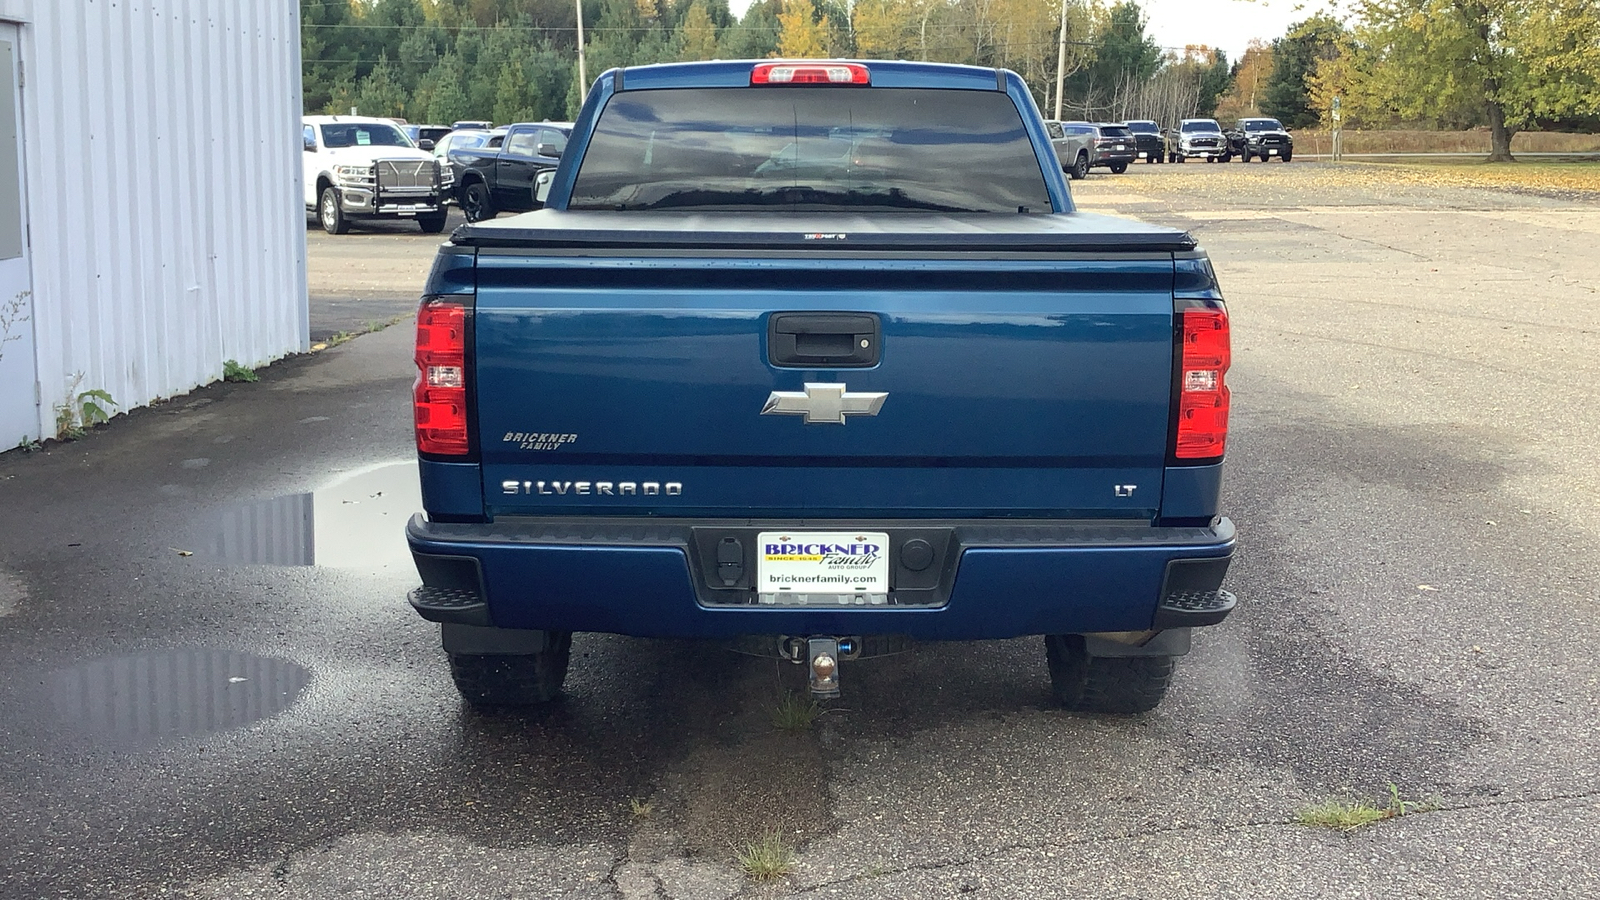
x=19 y=403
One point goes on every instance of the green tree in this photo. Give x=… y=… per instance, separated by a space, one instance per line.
x=697 y=33
x=1514 y=61
x=1294 y=57
x=755 y=36
x=1125 y=59
x=380 y=93
x=447 y=100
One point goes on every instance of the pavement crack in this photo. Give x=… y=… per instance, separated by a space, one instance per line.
x=1117 y=838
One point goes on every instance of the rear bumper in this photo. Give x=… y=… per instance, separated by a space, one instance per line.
x=991 y=580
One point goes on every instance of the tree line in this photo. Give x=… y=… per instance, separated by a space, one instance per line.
x=1450 y=64
x=1504 y=65
x=516 y=60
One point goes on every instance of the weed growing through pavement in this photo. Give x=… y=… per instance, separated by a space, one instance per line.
x=795 y=713
x=641 y=808
x=232 y=371
x=1349 y=815
x=767 y=858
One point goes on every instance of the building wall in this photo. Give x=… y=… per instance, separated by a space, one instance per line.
x=166 y=215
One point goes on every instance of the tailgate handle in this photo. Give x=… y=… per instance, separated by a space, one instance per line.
x=824 y=340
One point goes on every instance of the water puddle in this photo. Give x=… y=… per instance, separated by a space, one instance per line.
x=357 y=522
x=138 y=701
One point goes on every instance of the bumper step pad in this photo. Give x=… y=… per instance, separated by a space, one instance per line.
x=455 y=605
x=1193 y=608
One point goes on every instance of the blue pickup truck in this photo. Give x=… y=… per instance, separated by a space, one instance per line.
x=818 y=358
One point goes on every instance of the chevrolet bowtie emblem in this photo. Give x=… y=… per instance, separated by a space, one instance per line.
x=828 y=403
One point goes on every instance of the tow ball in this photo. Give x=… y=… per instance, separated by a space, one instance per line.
x=821 y=656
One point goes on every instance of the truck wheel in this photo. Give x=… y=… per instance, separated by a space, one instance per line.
x=1080 y=168
x=1245 y=156
x=1098 y=684
x=1287 y=154
x=491 y=680
x=476 y=203
x=331 y=213
x=1118 y=168
x=433 y=223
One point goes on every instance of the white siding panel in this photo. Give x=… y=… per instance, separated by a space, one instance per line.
x=168 y=225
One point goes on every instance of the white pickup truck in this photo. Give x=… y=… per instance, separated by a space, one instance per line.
x=366 y=168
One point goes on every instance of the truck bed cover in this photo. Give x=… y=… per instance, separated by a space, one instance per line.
x=550 y=229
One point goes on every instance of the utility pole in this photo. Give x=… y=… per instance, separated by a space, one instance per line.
x=583 y=74
x=1061 y=59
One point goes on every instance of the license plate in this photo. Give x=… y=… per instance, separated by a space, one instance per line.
x=1142 y=155
x=1122 y=146
x=1272 y=153
x=822 y=562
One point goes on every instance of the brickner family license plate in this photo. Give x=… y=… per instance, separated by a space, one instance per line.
x=834 y=562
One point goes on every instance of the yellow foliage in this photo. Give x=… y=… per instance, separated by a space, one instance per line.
x=801 y=36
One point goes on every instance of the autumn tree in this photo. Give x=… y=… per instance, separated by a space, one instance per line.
x=1294 y=58
x=1250 y=78
x=697 y=34
x=801 y=35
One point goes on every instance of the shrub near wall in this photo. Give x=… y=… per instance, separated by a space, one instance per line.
x=1474 y=141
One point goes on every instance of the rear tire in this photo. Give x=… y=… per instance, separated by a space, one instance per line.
x=1080 y=167
x=1118 y=168
x=1098 y=684
x=496 y=680
x=476 y=202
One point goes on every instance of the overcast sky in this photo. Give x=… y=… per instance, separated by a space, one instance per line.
x=1227 y=24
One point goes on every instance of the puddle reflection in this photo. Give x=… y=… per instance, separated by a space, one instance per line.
x=143 y=700
x=358 y=522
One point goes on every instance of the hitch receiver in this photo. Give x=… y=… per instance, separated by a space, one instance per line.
x=823 y=654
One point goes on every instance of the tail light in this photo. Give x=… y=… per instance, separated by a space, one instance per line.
x=1202 y=431
x=440 y=394
x=810 y=73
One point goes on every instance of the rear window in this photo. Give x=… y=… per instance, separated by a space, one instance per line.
x=1114 y=131
x=811 y=148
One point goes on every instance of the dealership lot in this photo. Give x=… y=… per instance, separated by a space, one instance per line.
x=1412 y=469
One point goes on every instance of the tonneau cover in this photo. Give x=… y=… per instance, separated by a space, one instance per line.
x=768 y=231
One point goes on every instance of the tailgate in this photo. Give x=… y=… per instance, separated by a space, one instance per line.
x=650 y=383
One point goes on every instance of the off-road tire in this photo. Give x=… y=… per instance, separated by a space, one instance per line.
x=1080 y=167
x=476 y=203
x=432 y=223
x=1118 y=168
x=1097 y=684
x=1245 y=156
x=496 y=680
x=1286 y=155
x=330 y=214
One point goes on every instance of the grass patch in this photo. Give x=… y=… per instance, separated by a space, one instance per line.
x=767 y=858
x=232 y=371
x=795 y=713
x=1344 y=814
x=641 y=808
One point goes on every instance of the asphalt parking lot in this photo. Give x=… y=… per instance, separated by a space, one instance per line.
x=211 y=686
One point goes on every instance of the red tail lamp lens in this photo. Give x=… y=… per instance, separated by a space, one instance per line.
x=1202 y=385
x=440 y=394
x=810 y=73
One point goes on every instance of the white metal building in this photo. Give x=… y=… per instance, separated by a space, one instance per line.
x=151 y=219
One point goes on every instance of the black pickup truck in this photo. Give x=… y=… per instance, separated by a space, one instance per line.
x=500 y=175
